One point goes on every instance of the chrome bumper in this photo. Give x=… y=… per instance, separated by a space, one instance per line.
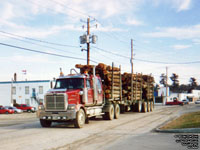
x=57 y=116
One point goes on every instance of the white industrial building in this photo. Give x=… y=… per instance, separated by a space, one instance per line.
x=23 y=92
x=192 y=97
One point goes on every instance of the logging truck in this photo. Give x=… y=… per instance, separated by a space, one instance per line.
x=96 y=91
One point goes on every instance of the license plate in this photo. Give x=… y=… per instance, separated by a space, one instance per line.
x=54 y=117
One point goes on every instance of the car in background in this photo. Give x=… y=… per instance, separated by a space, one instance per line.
x=3 y=110
x=197 y=102
x=26 y=108
x=14 y=108
x=175 y=102
x=185 y=101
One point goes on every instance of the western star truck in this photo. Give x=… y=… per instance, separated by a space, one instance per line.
x=96 y=91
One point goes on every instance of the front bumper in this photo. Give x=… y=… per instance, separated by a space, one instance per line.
x=57 y=116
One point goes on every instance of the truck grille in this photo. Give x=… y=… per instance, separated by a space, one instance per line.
x=55 y=102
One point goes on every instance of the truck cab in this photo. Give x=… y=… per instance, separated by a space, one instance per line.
x=75 y=97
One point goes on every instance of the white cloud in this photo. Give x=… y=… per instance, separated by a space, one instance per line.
x=179 y=5
x=184 y=5
x=179 y=47
x=176 y=32
x=134 y=22
x=196 y=41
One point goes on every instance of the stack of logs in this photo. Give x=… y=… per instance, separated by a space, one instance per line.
x=120 y=86
x=111 y=87
x=142 y=86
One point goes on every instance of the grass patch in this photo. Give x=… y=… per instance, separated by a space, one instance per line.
x=190 y=120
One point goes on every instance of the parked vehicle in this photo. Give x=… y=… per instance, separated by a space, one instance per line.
x=197 y=102
x=185 y=101
x=3 y=110
x=102 y=90
x=175 y=102
x=14 y=108
x=25 y=108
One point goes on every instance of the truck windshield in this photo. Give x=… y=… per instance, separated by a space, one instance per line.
x=70 y=83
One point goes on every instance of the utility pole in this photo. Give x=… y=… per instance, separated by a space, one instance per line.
x=88 y=43
x=87 y=39
x=131 y=70
x=166 y=83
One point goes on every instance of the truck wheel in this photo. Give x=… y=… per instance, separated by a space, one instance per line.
x=109 y=115
x=80 y=119
x=117 y=111
x=6 y=112
x=29 y=110
x=45 y=123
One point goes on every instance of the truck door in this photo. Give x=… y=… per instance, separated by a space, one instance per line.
x=89 y=91
x=99 y=91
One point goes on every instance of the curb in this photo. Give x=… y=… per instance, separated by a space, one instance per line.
x=187 y=130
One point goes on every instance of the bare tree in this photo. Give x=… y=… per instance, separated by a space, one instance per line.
x=175 y=81
x=163 y=79
x=193 y=82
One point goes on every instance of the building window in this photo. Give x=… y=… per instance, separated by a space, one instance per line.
x=13 y=90
x=27 y=101
x=26 y=89
x=40 y=89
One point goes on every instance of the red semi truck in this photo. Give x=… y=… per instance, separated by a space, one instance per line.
x=78 y=97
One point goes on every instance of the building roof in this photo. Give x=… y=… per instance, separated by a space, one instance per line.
x=33 y=81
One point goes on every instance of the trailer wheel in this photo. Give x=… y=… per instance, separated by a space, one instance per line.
x=80 y=119
x=45 y=123
x=151 y=106
x=117 y=111
x=144 y=107
x=109 y=115
x=148 y=106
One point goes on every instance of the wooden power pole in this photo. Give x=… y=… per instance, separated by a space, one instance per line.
x=88 y=43
x=131 y=70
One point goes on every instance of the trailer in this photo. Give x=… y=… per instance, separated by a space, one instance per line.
x=100 y=90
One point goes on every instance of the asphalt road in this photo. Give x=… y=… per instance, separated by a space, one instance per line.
x=130 y=131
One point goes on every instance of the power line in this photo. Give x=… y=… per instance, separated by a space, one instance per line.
x=47 y=53
x=86 y=15
x=111 y=52
x=52 y=48
x=41 y=41
x=149 y=61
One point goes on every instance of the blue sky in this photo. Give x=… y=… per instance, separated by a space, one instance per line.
x=164 y=32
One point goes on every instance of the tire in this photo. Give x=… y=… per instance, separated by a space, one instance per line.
x=45 y=123
x=144 y=107
x=109 y=115
x=117 y=111
x=138 y=107
x=151 y=106
x=148 y=106
x=29 y=110
x=80 y=119
x=6 y=112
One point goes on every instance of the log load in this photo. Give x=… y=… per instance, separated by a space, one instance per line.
x=114 y=82
x=111 y=77
x=142 y=86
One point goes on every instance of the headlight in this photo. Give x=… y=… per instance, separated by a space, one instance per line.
x=71 y=107
x=41 y=107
